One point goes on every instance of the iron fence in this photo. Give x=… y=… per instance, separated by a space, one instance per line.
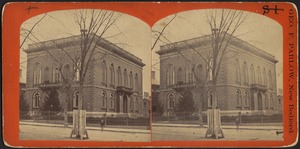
x=193 y=118
x=54 y=117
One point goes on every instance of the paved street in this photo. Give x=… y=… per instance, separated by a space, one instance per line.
x=161 y=132
x=39 y=132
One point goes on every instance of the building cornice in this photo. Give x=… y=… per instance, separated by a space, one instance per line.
x=75 y=41
x=206 y=41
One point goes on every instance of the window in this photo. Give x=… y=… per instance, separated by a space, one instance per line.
x=252 y=75
x=271 y=102
x=246 y=98
x=112 y=101
x=171 y=102
x=238 y=98
x=180 y=75
x=258 y=76
x=170 y=75
x=199 y=71
x=191 y=77
x=266 y=101
x=37 y=74
x=136 y=86
x=119 y=76
x=125 y=77
x=46 y=75
x=209 y=98
x=104 y=72
x=76 y=99
x=130 y=80
x=265 y=77
x=67 y=72
x=56 y=75
x=104 y=99
x=237 y=71
x=132 y=106
x=36 y=100
x=245 y=73
x=136 y=104
x=270 y=80
x=112 y=75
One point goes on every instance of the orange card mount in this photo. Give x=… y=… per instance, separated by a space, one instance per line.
x=252 y=103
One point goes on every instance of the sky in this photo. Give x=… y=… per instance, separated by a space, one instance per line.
x=129 y=33
x=258 y=30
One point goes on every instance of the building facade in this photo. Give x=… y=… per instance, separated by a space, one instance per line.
x=246 y=80
x=113 y=81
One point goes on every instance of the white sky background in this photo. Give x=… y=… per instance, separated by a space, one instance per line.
x=135 y=37
x=258 y=30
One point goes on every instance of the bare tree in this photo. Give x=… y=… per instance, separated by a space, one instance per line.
x=92 y=24
x=223 y=25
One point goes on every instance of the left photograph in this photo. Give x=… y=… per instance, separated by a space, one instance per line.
x=85 y=74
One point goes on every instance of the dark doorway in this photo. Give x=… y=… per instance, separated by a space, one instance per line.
x=125 y=109
x=259 y=99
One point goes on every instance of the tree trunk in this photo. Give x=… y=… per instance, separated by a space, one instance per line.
x=66 y=109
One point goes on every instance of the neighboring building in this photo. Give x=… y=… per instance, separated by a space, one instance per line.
x=146 y=104
x=246 y=80
x=156 y=108
x=279 y=98
x=113 y=82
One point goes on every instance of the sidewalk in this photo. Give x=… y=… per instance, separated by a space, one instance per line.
x=88 y=127
x=224 y=127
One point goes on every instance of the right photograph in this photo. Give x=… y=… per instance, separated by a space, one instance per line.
x=217 y=75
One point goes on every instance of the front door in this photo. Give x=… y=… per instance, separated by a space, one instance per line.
x=125 y=109
x=259 y=98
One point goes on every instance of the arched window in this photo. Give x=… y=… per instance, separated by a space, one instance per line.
x=67 y=72
x=180 y=76
x=36 y=100
x=266 y=101
x=125 y=78
x=258 y=75
x=130 y=80
x=136 y=82
x=245 y=73
x=104 y=99
x=112 y=101
x=171 y=75
x=104 y=72
x=246 y=99
x=112 y=75
x=271 y=102
x=238 y=98
x=270 y=81
x=200 y=71
x=237 y=71
x=264 y=77
x=76 y=99
x=252 y=74
x=209 y=98
x=171 y=101
x=136 y=104
x=132 y=106
x=56 y=74
x=47 y=75
x=119 y=76
x=37 y=74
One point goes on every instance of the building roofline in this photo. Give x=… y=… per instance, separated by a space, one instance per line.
x=205 y=40
x=73 y=40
